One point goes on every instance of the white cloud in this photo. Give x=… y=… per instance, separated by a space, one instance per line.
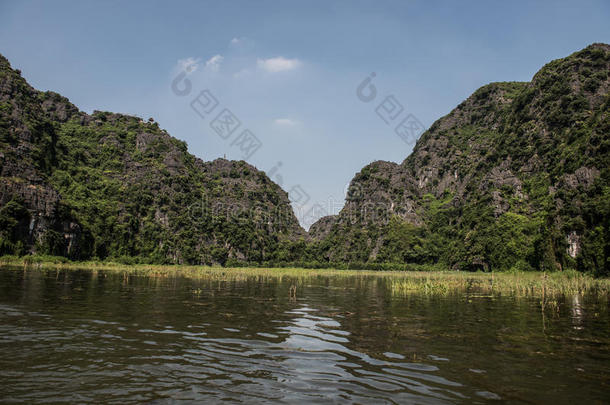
x=242 y=74
x=285 y=122
x=214 y=62
x=278 y=64
x=235 y=41
x=189 y=64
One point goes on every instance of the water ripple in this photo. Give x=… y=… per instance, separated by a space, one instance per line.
x=303 y=358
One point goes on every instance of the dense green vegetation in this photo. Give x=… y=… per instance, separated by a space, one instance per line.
x=516 y=178
x=112 y=186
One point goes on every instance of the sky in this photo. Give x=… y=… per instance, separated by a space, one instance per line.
x=281 y=84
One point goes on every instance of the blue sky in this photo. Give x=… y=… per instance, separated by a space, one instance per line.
x=289 y=70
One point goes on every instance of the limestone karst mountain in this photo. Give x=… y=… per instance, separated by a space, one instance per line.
x=518 y=175
x=111 y=185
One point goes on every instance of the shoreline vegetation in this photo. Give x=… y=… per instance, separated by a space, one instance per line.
x=413 y=279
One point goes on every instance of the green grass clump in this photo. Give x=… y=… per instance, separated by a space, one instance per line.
x=516 y=284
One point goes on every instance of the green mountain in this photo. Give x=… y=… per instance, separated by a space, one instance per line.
x=113 y=186
x=515 y=177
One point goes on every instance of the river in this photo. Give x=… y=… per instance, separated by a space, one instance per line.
x=102 y=337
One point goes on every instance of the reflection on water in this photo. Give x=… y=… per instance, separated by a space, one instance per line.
x=92 y=337
x=577 y=312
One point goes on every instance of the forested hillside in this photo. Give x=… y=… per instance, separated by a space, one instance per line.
x=114 y=186
x=516 y=177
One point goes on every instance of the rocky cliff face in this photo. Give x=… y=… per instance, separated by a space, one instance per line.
x=515 y=176
x=111 y=185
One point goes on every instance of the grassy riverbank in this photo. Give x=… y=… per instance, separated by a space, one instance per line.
x=436 y=282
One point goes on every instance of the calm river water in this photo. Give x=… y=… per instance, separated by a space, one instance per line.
x=95 y=337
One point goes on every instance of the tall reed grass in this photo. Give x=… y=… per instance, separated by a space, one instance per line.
x=400 y=282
